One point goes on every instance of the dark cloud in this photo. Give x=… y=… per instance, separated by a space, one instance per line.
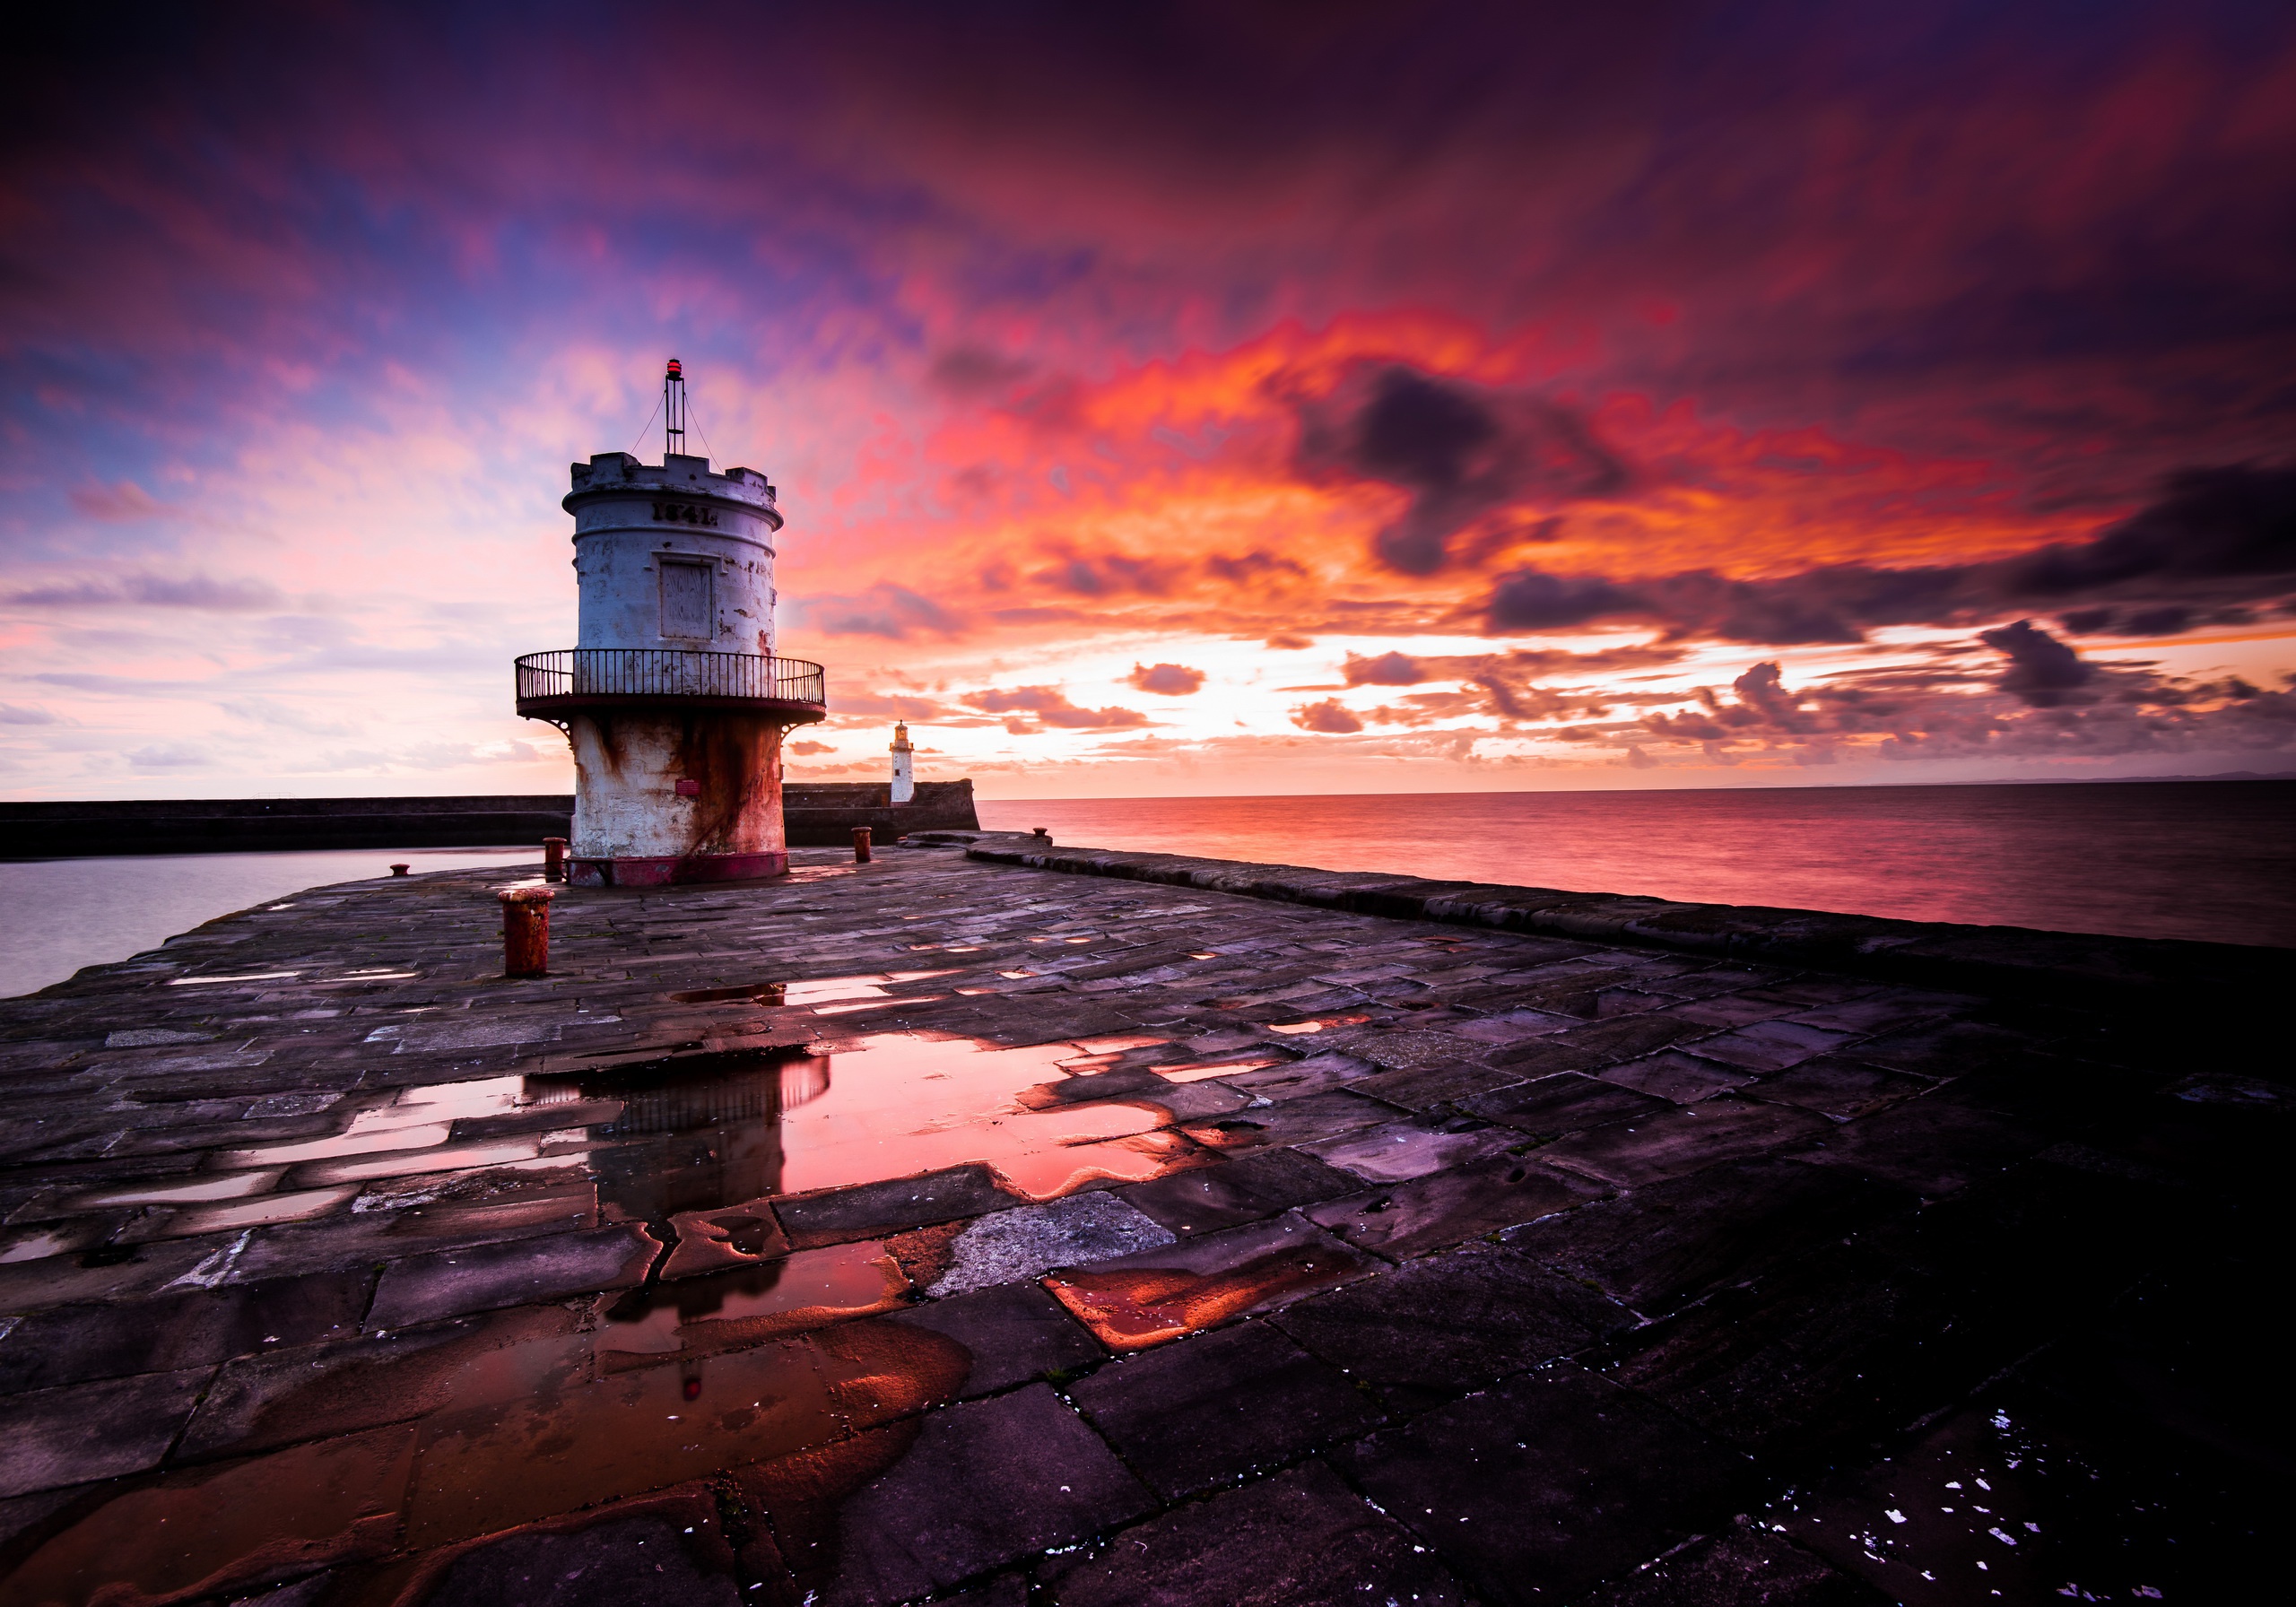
x=2217 y=543
x=1285 y=642
x=807 y=750
x=1108 y=574
x=1257 y=566
x=1330 y=717
x=2041 y=669
x=1529 y=600
x=2233 y=522
x=1167 y=680
x=1051 y=706
x=1461 y=452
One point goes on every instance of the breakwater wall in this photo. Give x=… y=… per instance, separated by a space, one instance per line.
x=817 y=815
x=2226 y=982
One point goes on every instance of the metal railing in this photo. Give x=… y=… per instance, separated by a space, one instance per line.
x=668 y=673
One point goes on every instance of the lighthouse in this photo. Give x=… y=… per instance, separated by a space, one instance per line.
x=673 y=699
x=904 y=777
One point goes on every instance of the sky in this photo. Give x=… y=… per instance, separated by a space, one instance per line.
x=1222 y=398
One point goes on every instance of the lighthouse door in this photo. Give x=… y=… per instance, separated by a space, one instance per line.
x=688 y=608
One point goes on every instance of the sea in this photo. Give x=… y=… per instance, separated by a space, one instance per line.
x=2213 y=860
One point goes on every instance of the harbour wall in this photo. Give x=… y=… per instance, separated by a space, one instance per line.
x=816 y=814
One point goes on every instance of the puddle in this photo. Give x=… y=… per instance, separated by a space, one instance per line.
x=496 y=1437
x=485 y=1469
x=204 y=1530
x=706 y=1131
x=729 y=1310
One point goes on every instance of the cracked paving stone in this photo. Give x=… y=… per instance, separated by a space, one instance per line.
x=1248 y=1188
x=1449 y=1323
x=1838 y=1087
x=921 y=1504
x=1012 y=1332
x=1682 y=1140
x=1395 y=1152
x=1545 y=1485
x=100 y=1430
x=1218 y=1405
x=447 y=1283
x=1566 y=1102
x=1836 y=1344
x=1670 y=1075
x=1450 y=1207
x=1301 y=1539
x=1310 y=1076
x=1770 y=1045
x=1294 y=1121
x=1156 y=1296
x=1927 y=1145
x=872 y=1209
x=1663 y=1246
x=74 y=1343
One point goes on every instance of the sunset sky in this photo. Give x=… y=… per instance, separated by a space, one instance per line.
x=1197 y=399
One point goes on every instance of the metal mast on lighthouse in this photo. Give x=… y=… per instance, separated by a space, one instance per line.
x=673 y=411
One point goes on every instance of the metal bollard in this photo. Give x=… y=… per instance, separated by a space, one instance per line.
x=398 y=870
x=554 y=859
x=525 y=931
x=860 y=845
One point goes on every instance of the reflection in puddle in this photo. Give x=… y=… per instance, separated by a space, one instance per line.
x=726 y=1310
x=687 y=1133
x=706 y=1131
x=488 y=1468
x=900 y=1105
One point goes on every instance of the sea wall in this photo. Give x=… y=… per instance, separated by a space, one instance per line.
x=816 y=814
x=823 y=814
x=2226 y=981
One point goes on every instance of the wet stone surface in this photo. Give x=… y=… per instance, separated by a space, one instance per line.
x=1065 y=1239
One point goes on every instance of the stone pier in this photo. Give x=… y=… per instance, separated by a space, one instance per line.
x=1013 y=1224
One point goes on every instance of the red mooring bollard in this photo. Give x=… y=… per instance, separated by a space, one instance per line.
x=554 y=859
x=525 y=931
x=860 y=845
x=399 y=870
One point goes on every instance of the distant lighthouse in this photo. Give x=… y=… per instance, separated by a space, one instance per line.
x=673 y=700
x=904 y=777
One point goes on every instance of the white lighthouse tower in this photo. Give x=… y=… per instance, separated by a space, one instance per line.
x=904 y=777
x=673 y=700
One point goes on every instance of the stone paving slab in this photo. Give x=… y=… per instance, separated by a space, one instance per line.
x=1338 y=1235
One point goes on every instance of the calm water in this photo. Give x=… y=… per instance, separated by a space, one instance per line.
x=2201 y=859
x=58 y=915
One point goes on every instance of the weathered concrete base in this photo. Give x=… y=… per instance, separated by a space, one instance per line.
x=673 y=785
x=665 y=870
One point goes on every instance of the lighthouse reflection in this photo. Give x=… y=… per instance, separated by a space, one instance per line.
x=696 y=1131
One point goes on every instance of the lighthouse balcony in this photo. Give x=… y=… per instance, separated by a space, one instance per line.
x=554 y=685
